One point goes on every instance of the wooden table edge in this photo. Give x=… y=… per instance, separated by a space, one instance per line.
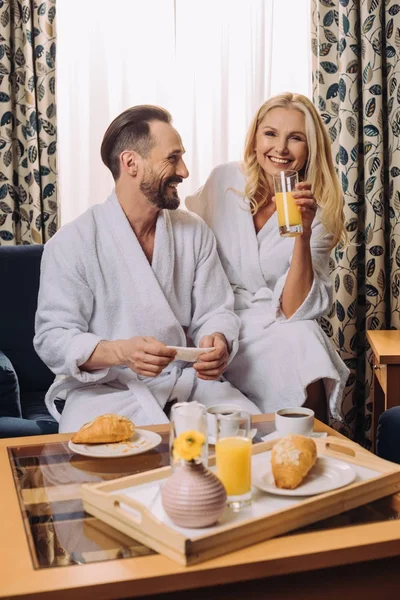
x=160 y=575
x=156 y=574
x=382 y=358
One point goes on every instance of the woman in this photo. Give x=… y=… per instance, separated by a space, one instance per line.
x=281 y=285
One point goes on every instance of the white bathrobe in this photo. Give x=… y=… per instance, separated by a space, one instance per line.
x=278 y=357
x=97 y=284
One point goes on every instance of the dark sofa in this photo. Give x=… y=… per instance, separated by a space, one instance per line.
x=19 y=276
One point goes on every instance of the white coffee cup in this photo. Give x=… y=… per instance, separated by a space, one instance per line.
x=297 y=420
x=228 y=410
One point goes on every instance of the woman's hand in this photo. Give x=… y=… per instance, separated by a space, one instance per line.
x=307 y=204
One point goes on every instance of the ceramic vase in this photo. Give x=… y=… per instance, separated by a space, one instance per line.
x=193 y=496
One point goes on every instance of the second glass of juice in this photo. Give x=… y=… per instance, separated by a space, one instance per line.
x=188 y=416
x=289 y=216
x=233 y=457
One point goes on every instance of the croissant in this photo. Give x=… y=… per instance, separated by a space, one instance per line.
x=104 y=429
x=291 y=459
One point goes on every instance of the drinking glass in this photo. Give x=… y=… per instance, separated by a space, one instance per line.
x=289 y=216
x=188 y=416
x=233 y=457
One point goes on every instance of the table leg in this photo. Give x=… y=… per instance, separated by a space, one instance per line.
x=378 y=406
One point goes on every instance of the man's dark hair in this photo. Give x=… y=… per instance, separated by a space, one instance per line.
x=131 y=131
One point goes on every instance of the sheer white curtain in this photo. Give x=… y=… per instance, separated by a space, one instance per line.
x=211 y=63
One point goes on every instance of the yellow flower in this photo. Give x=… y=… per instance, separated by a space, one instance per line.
x=188 y=445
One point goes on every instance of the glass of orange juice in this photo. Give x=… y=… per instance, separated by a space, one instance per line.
x=233 y=456
x=289 y=215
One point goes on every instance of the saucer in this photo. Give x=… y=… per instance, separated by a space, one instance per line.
x=274 y=435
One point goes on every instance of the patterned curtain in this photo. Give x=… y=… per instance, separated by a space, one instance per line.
x=28 y=204
x=356 y=88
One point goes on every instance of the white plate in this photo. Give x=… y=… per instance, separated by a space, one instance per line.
x=327 y=474
x=189 y=354
x=142 y=441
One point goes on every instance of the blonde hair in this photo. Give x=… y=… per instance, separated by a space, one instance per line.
x=319 y=169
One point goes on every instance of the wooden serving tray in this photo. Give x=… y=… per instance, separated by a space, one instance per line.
x=133 y=505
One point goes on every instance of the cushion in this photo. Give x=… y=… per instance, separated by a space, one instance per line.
x=18 y=301
x=10 y=427
x=10 y=405
x=34 y=407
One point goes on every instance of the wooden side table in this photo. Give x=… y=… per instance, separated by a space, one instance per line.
x=386 y=375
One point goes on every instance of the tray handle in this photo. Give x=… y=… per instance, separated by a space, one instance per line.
x=142 y=517
x=340 y=448
x=338 y=445
x=111 y=504
x=138 y=513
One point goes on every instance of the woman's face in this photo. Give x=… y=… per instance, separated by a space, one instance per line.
x=281 y=142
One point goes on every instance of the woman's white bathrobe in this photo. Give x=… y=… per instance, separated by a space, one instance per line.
x=278 y=357
x=97 y=284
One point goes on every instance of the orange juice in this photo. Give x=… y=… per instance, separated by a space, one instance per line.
x=233 y=457
x=289 y=216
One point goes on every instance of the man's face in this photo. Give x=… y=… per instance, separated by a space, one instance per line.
x=164 y=167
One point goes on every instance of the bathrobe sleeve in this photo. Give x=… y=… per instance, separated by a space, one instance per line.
x=319 y=299
x=212 y=296
x=65 y=306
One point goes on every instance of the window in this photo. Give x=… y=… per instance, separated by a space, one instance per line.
x=211 y=63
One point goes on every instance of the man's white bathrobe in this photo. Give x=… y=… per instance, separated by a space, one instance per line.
x=97 y=284
x=278 y=357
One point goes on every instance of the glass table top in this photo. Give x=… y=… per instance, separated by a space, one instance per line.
x=48 y=479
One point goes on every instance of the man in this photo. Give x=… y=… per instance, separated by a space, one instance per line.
x=129 y=278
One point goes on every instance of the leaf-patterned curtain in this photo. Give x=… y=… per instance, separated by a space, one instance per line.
x=356 y=87
x=28 y=204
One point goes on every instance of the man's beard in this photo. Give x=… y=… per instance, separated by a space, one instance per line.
x=158 y=192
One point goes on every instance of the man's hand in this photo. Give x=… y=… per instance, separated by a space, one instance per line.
x=211 y=365
x=144 y=355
